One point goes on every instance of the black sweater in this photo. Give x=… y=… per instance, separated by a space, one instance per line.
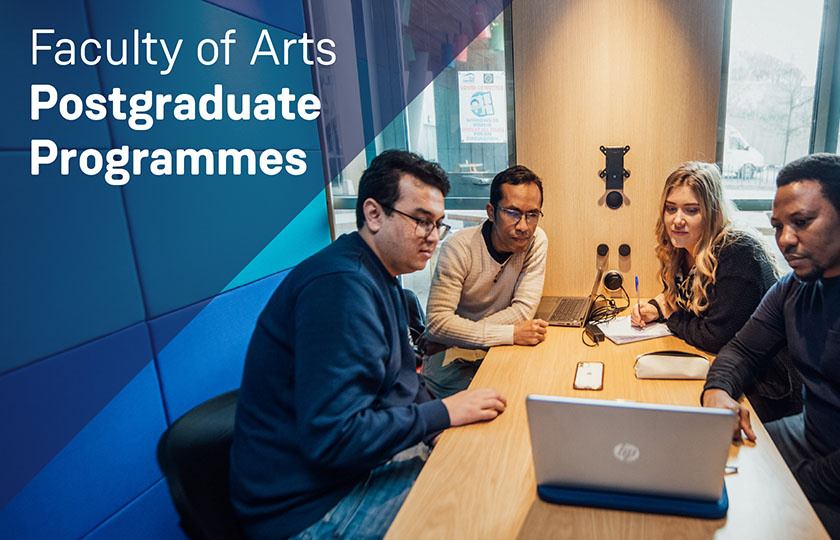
x=806 y=316
x=742 y=278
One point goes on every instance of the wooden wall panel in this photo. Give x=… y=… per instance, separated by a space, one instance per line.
x=644 y=73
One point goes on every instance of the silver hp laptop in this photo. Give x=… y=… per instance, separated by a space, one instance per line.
x=630 y=448
x=568 y=310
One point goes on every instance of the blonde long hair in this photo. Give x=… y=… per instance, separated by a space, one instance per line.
x=704 y=180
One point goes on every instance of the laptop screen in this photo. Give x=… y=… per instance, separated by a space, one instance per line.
x=597 y=283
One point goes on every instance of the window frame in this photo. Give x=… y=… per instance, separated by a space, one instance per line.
x=826 y=112
x=348 y=202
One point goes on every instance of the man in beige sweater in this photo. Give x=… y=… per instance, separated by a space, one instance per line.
x=487 y=284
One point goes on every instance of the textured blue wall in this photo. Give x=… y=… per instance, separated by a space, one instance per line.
x=115 y=319
x=123 y=307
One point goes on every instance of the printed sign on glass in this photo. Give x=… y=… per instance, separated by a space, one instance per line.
x=483 y=111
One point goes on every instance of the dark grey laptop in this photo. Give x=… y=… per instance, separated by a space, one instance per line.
x=568 y=310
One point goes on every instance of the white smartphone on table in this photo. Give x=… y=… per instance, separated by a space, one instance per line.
x=589 y=376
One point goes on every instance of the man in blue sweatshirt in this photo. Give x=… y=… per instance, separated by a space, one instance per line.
x=803 y=311
x=332 y=420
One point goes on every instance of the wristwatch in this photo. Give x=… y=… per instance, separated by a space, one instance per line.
x=654 y=303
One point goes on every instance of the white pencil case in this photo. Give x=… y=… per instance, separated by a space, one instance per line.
x=671 y=365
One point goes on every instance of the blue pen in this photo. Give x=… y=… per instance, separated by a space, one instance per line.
x=638 y=299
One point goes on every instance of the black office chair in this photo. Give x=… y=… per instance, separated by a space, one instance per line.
x=416 y=323
x=194 y=455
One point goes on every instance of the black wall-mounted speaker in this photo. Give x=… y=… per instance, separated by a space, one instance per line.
x=613 y=280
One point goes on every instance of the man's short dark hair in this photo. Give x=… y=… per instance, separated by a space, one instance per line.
x=518 y=174
x=823 y=168
x=381 y=180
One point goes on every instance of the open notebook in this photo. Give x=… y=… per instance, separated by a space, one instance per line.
x=620 y=331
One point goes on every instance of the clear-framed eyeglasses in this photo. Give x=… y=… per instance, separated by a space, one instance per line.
x=513 y=215
x=424 y=227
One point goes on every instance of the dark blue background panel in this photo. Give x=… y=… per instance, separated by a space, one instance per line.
x=284 y=14
x=101 y=470
x=68 y=271
x=44 y=405
x=167 y=327
x=206 y=358
x=193 y=21
x=149 y=517
x=194 y=234
x=68 y=19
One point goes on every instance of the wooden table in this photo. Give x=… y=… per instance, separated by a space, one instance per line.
x=479 y=481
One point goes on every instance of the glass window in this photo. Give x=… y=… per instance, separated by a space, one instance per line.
x=773 y=56
x=463 y=119
x=836 y=148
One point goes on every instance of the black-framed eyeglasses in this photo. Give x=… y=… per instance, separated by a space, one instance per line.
x=424 y=227
x=532 y=217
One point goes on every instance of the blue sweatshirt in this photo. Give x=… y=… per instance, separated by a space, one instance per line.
x=329 y=391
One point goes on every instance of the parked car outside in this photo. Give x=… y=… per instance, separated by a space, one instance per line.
x=740 y=159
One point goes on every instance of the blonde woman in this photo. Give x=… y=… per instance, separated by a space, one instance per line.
x=713 y=275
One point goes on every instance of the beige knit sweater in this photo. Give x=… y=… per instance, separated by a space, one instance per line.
x=474 y=301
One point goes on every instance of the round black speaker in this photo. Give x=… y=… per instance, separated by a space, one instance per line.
x=613 y=280
x=614 y=199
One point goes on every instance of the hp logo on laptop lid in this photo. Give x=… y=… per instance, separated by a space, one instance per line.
x=626 y=452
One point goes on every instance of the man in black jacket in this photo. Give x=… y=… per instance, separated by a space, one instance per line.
x=803 y=311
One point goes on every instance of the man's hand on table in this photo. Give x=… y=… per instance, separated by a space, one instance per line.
x=530 y=332
x=719 y=399
x=468 y=406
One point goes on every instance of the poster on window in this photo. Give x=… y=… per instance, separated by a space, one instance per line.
x=483 y=111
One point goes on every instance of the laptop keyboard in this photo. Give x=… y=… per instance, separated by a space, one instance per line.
x=569 y=309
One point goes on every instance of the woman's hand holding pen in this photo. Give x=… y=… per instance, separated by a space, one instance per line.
x=638 y=315
x=645 y=313
x=642 y=314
